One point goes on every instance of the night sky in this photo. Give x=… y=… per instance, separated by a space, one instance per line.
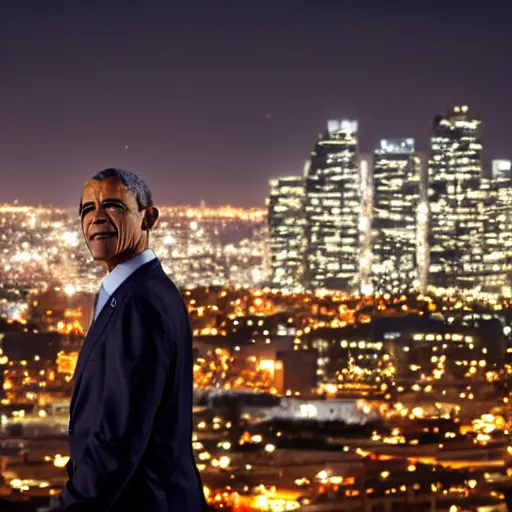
x=208 y=100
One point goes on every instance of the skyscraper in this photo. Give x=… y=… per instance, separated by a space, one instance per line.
x=396 y=184
x=332 y=210
x=456 y=208
x=366 y=191
x=498 y=229
x=286 y=228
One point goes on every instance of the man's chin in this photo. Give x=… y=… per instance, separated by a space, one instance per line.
x=100 y=257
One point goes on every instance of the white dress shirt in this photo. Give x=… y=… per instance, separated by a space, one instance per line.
x=119 y=275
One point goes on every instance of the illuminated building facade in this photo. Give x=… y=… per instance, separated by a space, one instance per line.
x=333 y=210
x=396 y=185
x=365 y=224
x=455 y=201
x=286 y=231
x=498 y=230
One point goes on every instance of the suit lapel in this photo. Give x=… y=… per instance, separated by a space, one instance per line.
x=93 y=335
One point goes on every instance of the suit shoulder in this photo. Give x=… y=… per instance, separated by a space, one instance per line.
x=156 y=288
x=158 y=293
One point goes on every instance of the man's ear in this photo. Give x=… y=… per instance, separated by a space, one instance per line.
x=150 y=220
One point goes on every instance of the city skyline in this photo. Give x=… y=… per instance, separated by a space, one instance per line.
x=168 y=93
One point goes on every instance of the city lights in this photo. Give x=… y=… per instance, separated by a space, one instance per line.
x=340 y=353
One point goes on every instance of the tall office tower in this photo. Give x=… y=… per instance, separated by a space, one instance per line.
x=286 y=227
x=333 y=209
x=365 y=223
x=422 y=230
x=396 y=187
x=456 y=207
x=498 y=229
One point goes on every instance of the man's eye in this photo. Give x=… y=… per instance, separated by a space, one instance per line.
x=114 y=205
x=85 y=211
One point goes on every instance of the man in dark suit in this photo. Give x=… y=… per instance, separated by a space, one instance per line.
x=130 y=429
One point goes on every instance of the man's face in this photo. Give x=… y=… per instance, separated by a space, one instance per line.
x=111 y=222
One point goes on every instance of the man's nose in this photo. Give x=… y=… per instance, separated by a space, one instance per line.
x=99 y=218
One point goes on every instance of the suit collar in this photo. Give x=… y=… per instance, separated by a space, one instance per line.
x=124 y=270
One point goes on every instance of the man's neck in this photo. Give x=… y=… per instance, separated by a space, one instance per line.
x=122 y=258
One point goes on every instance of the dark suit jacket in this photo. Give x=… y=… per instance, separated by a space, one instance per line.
x=131 y=412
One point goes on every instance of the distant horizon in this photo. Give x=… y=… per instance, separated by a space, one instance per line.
x=206 y=206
